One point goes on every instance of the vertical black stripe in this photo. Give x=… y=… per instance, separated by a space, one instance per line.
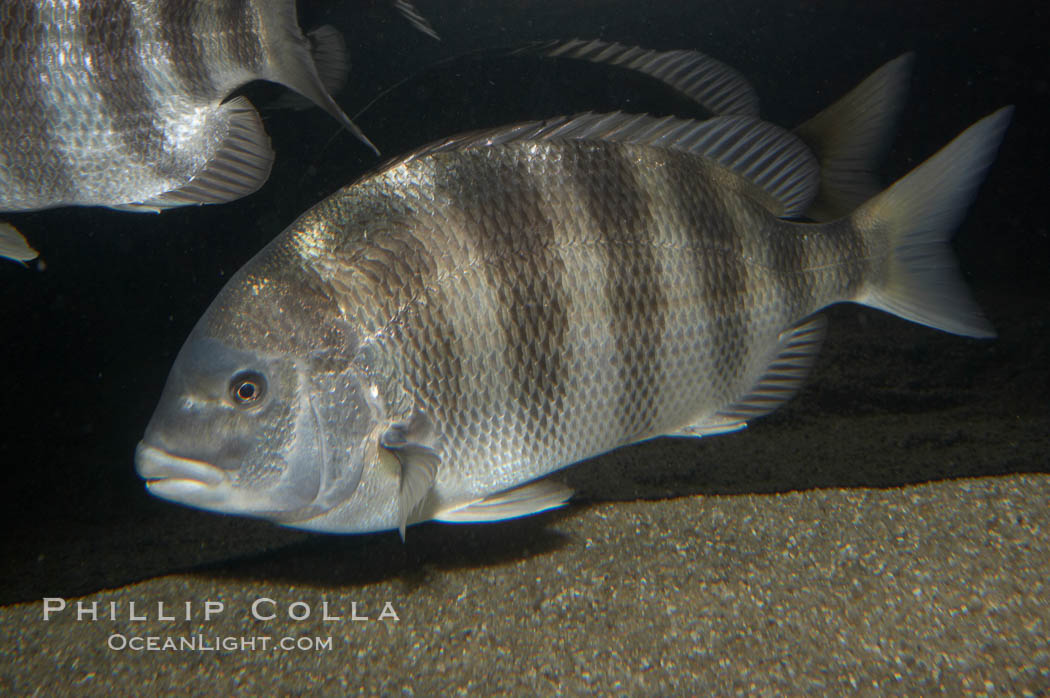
x=510 y=226
x=236 y=21
x=111 y=45
x=406 y=277
x=607 y=181
x=714 y=247
x=792 y=255
x=29 y=156
x=178 y=29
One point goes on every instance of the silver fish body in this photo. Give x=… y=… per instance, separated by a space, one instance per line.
x=120 y=102
x=427 y=342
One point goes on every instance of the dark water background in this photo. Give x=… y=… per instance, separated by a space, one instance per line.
x=89 y=340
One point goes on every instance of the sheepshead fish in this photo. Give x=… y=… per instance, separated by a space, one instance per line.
x=120 y=102
x=431 y=341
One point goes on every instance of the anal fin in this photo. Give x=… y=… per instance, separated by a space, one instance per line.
x=528 y=499
x=796 y=352
x=238 y=168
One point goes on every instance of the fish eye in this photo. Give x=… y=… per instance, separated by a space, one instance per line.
x=247 y=388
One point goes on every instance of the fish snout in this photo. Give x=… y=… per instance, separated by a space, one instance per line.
x=183 y=480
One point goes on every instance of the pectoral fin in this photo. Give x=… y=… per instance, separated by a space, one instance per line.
x=531 y=498
x=412 y=445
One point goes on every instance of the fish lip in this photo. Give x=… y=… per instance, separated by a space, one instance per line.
x=162 y=470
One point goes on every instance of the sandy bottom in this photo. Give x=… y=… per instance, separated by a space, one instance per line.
x=886 y=532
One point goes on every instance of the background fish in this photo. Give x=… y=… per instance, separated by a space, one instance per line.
x=120 y=102
x=428 y=342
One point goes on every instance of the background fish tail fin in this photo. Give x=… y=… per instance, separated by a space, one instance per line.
x=913 y=220
x=851 y=136
x=332 y=61
x=292 y=64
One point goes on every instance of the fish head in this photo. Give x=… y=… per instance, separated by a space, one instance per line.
x=265 y=412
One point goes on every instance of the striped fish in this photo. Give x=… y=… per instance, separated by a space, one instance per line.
x=432 y=341
x=120 y=102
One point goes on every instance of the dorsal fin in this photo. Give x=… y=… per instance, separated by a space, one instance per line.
x=850 y=137
x=766 y=155
x=710 y=83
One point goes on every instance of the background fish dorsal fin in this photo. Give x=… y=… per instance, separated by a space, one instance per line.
x=774 y=160
x=852 y=135
x=239 y=167
x=796 y=352
x=713 y=85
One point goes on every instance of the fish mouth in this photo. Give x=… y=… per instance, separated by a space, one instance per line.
x=181 y=479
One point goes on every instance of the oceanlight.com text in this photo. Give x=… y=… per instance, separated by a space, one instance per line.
x=216 y=643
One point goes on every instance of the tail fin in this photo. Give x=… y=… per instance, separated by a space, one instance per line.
x=332 y=61
x=292 y=65
x=919 y=279
x=851 y=136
